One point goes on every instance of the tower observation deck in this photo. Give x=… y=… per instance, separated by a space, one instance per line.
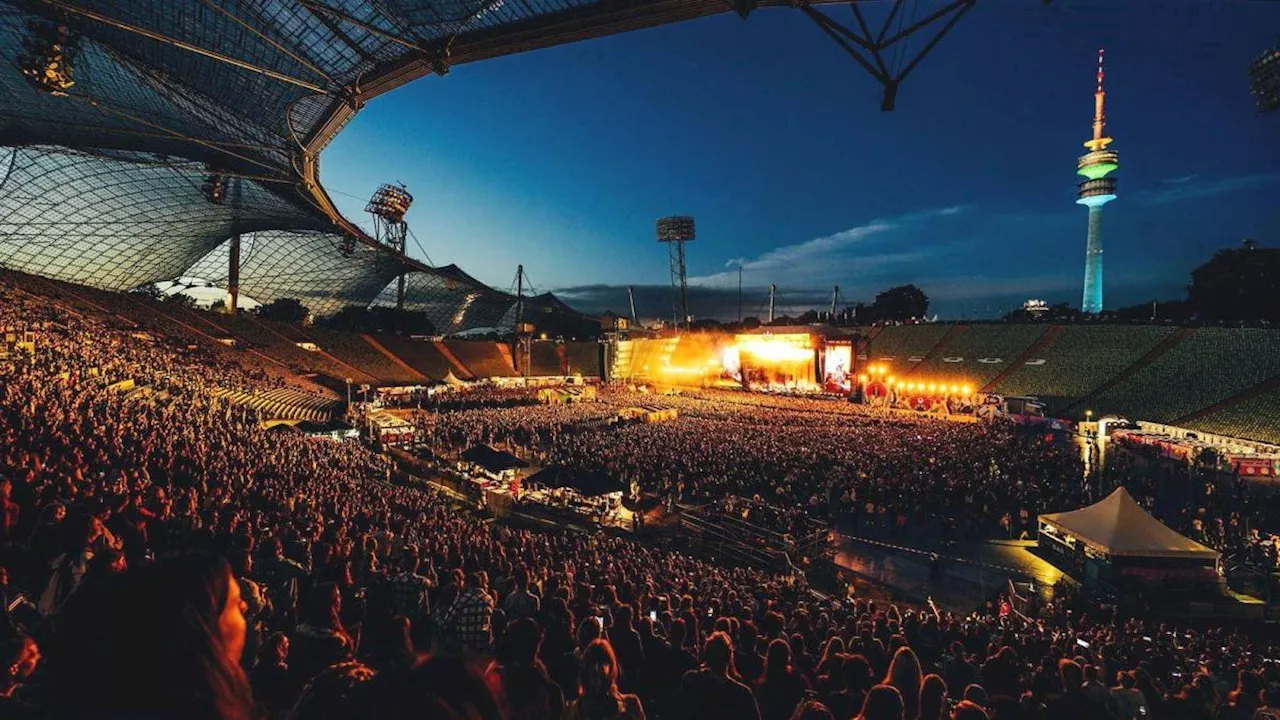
x=1097 y=189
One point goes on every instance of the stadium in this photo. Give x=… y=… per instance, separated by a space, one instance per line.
x=351 y=483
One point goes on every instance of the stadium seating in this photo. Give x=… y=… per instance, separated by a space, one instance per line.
x=421 y=355
x=1255 y=418
x=1209 y=366
x=354 y=350
x=1079 y=361
x=978 y=353
x=483 y=359
x=281 y=343
x=895 y=345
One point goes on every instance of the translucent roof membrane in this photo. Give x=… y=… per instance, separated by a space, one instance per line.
x=118 y=116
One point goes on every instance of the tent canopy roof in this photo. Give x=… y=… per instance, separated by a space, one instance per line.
x=494 y=461
x=1118 y=526
x=589 y=483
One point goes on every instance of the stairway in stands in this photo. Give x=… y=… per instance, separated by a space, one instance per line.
x=938 y=348
x=1152 y=355
x=1261 y=388
x=1032 y=351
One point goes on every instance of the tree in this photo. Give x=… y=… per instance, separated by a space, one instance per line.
x=149 y=291
x=1238 y=285
x=285 y=310
x=180 y=299
x=901 y=303
x=218 y=306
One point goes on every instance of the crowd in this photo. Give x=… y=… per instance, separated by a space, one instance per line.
x=163 y=556
x=865 y=467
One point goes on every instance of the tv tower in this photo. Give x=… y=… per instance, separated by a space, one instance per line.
x=1096 y=190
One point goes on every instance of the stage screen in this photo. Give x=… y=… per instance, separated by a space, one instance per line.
x=837 y=369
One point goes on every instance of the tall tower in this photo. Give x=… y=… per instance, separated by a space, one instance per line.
x=675 y=232
x=1096 y=190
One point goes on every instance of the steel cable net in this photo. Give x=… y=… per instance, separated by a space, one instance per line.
x=117 y=116
x=118 y=219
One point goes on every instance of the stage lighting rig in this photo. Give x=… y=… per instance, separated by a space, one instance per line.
x=48 y=57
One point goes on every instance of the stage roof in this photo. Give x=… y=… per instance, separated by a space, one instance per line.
x=1118 y=526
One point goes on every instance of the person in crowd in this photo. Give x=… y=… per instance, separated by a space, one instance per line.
x=713 y=691
x=780 y=688
x=468 y=621
x=598 y=695
x=270 y=677
x=320 y=640
x=529 y=691
x=1073 y=703
x=969 y=710
x=19 y=659
x=905 y=675
x=884 y=702
x=933 y=698
x=341 y=691
x=160 y=641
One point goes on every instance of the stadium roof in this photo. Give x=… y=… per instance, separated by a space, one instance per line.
x=138 y=136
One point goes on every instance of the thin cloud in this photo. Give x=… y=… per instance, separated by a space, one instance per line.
x=820 y=257
x=1179 y=189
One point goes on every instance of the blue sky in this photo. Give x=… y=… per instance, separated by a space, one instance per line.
x=773 y=139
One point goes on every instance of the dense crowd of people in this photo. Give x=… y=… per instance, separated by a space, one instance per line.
x=863 y=466
x=164 y=556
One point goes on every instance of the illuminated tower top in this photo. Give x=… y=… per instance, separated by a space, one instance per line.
x=1099 y=162
x=1099 y=141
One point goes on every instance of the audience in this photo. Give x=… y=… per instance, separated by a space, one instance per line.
x=348 y=592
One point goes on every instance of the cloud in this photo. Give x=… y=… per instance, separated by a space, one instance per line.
x=1190 y=186
x=655 y=301
x=831 y=256
x=1180 y=180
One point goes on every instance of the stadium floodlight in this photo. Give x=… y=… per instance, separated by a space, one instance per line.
x=675 y=231
x=390 y=202
x=48 y=57
x=1264 y=80
x=215 y=188
x=388 y=207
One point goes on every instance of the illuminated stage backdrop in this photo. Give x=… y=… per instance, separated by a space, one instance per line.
x=778 y=361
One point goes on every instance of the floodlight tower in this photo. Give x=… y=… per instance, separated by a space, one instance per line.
x=1096 y=190
x=675 y=232
x=388 y=207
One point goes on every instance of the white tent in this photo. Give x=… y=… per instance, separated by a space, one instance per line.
x=1118 y=527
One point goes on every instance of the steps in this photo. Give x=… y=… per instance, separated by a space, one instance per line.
x=1032 y=351
x=1151 y=356
x=938 y=347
